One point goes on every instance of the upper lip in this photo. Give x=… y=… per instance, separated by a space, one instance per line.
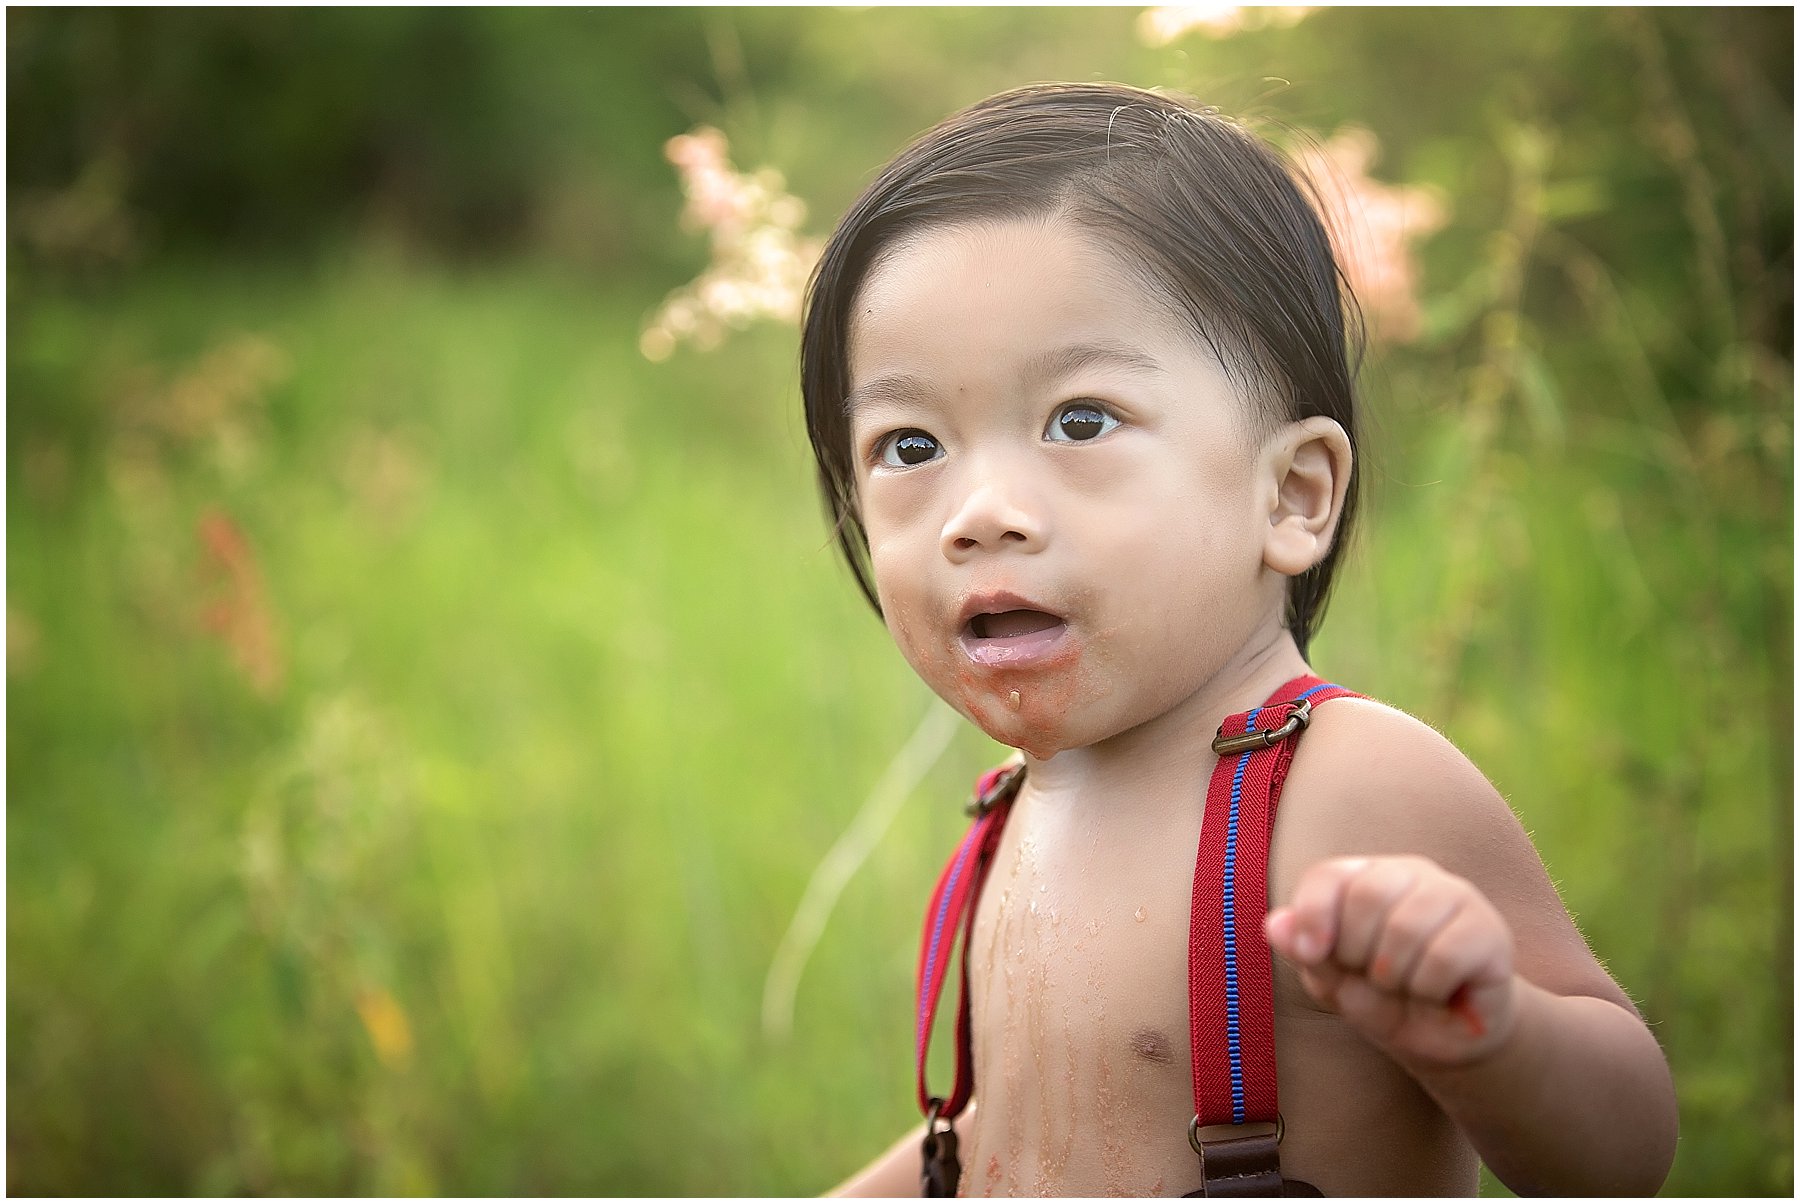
x=995 y=603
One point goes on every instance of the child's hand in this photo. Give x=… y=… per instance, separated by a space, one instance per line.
x=1413 y=957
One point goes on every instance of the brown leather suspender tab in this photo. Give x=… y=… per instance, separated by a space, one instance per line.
x=1241 y=1166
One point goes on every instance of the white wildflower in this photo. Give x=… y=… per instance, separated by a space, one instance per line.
x=759 y=263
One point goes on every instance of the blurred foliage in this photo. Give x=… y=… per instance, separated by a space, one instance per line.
x=425 y=713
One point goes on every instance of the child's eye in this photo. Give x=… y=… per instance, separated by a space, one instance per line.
x=1079 y=421
x=903 y=449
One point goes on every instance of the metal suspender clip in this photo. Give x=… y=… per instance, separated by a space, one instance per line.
x=1225 y=1132
x=941 y=1168
x=1003 y=789
x=1297 y=720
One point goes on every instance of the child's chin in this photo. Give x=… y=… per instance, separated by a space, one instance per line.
x=1031 y=730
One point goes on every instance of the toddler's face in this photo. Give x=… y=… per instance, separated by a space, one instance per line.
x=1065 y=511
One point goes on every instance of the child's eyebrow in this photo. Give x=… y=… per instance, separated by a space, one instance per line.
x=895 y=390
x=1040 y=370
x=1067 y=361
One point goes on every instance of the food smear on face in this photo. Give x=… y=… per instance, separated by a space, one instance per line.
x=1045 y=693
x=1011 y=674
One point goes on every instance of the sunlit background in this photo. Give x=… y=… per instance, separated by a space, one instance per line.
x=431 y=690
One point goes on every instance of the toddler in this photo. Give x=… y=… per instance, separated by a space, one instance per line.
x=1078 y=381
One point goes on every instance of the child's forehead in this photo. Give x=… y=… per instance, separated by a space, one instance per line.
x=1030 y=286
x=978 y=249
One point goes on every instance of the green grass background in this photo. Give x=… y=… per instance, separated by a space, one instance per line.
x=565 y=695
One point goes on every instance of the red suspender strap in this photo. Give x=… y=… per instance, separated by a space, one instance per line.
x=953 y=904
x=1231 y=998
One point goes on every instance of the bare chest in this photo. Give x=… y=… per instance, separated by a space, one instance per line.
x=1078 y=973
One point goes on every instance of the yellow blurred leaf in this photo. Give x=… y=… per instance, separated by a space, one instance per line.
x=386 y=1024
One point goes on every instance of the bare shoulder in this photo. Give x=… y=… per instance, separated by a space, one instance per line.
x=1370 y=780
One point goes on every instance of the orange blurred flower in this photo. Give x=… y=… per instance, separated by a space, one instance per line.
x=240 y=615
x=1373 y=226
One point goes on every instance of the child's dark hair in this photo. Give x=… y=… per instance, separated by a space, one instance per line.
x=1206 y=211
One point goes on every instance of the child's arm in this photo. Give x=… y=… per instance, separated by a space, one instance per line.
x=1424 y=918
x=895 y=1173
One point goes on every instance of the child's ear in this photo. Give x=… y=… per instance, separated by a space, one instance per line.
x=1309 y=463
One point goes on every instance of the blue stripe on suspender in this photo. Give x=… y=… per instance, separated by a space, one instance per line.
x=937 y=930
x=1233 y=1043
x=1233 y=1037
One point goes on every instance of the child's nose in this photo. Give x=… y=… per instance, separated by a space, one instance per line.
x=992 y=517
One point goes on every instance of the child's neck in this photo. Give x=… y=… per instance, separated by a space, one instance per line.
x=1160 y=764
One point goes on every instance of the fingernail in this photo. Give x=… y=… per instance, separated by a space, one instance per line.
x=1306 y=945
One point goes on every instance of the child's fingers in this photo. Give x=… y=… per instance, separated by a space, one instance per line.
x=1411 y=923
x=1472 y=947
x=1315 y=907
x=1319 y=977
x=1462 y=1004
x=1322 y=982
x=1368 y=1008
x=1369 y=895
x=1280 y=927
x=1411 y=957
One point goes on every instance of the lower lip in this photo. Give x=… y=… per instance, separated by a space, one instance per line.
x=1016 y=650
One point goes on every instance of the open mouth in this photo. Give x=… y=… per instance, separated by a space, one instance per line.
x=1011 y=636
x=1011 y=623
